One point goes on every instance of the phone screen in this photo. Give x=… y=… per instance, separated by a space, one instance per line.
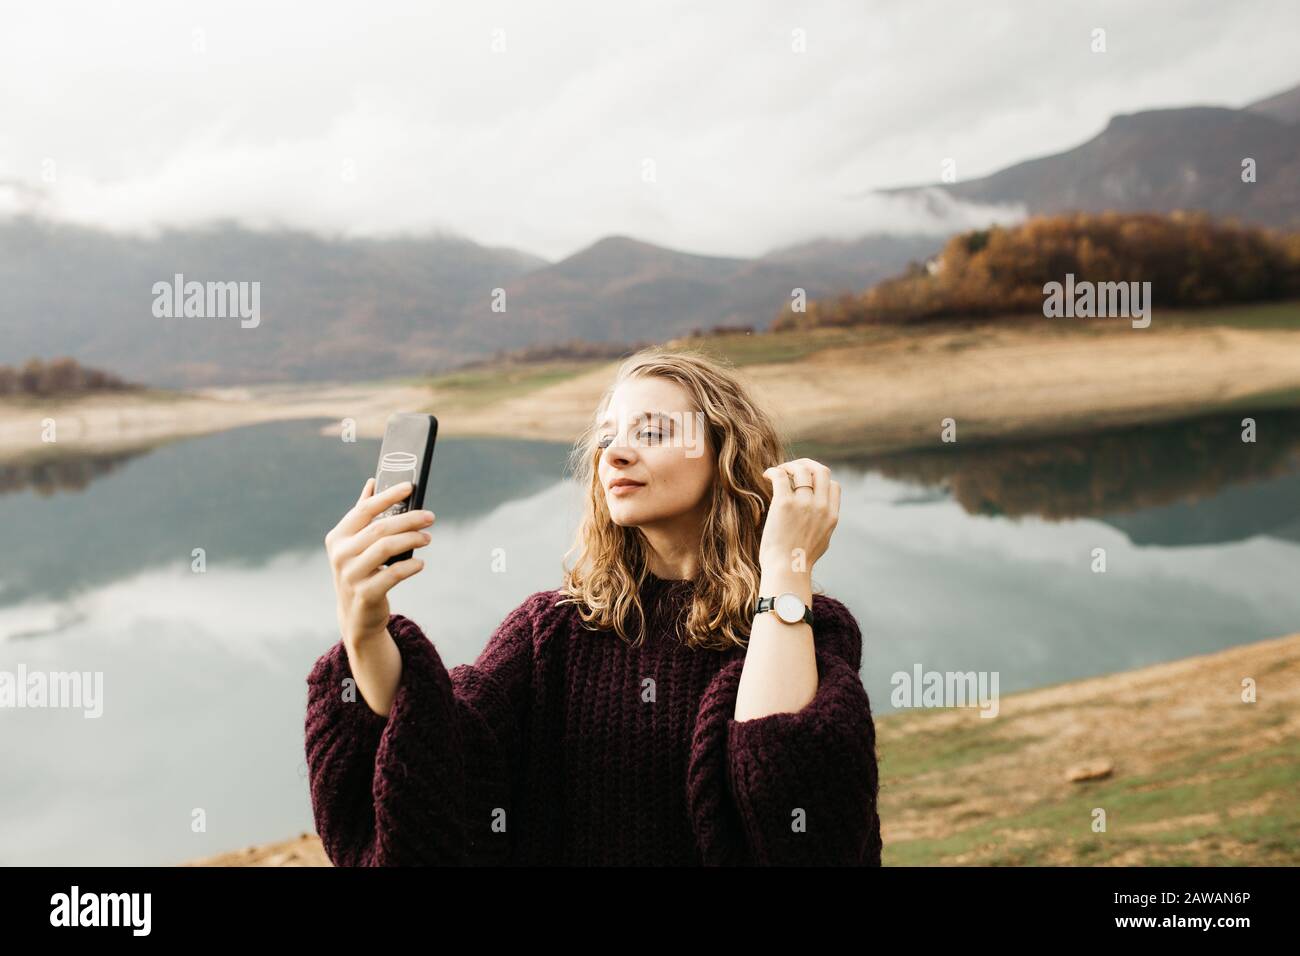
x=406 y=455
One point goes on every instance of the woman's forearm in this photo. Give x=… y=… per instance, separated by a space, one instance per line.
x=376 y=666
x=780 y=672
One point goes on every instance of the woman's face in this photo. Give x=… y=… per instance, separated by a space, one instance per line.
x=653 y=434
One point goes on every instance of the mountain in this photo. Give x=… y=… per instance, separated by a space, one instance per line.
x=338 y=309
x=621 y=289
x=1161 y=160
x=874 y=256
x=1284 y=106
x=330 y=309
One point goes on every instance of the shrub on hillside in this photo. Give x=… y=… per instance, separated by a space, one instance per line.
x=1190 y=260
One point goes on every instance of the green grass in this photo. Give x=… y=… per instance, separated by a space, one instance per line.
x=473 y=388
x=927 y=751
x=1281 y=398
x=781 y=347
x=1267 y=315
x=1171 y=792
x=416 y=380
x=27 y=401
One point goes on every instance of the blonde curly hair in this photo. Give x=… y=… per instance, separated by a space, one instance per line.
x=611 y=565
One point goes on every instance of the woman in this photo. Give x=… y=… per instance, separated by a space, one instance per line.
x=650 y=710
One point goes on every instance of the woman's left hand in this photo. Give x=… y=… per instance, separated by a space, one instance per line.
x=799 y=522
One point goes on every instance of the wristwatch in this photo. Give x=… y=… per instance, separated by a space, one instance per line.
x=789 y=607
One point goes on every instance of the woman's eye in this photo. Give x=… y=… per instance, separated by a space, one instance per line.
x=651 y=436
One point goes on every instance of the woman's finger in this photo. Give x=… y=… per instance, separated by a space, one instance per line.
x=365 y=489
x=379 y=583
x=803 y=479
x=780 y=479
x=365 y=510
x=393 y=524
x=402 y=570
x=406 y=521
x=372 y=557
x=822 y=485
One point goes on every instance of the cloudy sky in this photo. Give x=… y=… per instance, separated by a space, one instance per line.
x=720 y=127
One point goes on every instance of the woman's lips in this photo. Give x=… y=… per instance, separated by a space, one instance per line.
x=622 y=490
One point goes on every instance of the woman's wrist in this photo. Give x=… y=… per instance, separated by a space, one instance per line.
x=367 y=640
x=776 y=579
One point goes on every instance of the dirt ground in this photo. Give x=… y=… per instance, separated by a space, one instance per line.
x=889 y=390
x=893 y=391
x=1185 y=771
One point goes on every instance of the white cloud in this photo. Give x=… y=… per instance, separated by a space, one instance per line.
x=542 y=146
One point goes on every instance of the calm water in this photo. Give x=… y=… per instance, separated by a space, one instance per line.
x=978 y=559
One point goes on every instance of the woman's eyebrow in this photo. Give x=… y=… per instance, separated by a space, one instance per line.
x=650 y=414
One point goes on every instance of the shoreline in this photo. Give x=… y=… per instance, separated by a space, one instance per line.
x=1188 y=773
x=113 y=423
x=996 y=381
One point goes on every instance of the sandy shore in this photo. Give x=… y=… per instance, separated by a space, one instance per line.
x=876 y=390
x=127 y=421
x=1196 y=776
x=302 y=850
x=892 y=391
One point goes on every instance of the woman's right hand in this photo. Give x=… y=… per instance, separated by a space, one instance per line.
x=358 y=546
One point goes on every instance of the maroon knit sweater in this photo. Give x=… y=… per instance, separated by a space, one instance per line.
x=566 y=746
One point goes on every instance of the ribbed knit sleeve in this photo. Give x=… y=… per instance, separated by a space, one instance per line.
x=790 y=788
x=426 y=784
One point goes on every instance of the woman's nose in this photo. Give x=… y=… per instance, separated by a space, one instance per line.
x=619 y=450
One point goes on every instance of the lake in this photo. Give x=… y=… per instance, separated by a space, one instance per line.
x=952 y=559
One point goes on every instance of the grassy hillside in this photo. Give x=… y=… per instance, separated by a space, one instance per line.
x=793 y=345
x=1198 y=777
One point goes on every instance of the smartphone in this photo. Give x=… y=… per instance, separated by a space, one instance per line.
x=405 y=455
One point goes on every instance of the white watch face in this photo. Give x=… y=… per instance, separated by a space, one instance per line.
x=789 y=608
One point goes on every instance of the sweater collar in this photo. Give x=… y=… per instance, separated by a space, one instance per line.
x=658 y=585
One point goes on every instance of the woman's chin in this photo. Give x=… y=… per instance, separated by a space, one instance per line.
x=624 y=516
